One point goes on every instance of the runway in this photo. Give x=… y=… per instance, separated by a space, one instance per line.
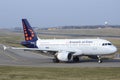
x=31 y=59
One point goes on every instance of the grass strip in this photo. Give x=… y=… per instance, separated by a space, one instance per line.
x=33 y=73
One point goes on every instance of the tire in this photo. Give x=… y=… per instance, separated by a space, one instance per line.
x=76 y=59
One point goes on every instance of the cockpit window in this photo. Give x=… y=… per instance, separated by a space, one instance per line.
x=109 y=44
x=106 y=44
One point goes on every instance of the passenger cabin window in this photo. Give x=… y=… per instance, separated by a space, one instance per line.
x=106 y=44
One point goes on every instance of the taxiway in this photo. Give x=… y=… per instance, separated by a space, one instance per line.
x=27 y=58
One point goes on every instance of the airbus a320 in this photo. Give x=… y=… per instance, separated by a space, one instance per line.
x=66 y=50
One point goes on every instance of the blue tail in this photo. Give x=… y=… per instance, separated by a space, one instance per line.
x=30 y=35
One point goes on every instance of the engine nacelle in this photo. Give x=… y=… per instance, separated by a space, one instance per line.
x=64 y=56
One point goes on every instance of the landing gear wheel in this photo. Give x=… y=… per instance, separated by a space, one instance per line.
x=55 y=60
x=76 y=59
x=99 y=59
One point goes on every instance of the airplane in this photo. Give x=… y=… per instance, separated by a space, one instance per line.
x=66 y=50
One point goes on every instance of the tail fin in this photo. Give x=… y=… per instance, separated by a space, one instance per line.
x=29 y=33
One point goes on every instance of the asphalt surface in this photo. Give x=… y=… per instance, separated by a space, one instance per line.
x=30 y=59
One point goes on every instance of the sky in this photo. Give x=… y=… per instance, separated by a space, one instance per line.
x=53 y=13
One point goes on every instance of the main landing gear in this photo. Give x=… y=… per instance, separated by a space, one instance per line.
x=55 y=60
x=76 y=59
x=99 y=59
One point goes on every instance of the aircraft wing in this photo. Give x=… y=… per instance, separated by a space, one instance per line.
x=36 y=49
x=29 y=49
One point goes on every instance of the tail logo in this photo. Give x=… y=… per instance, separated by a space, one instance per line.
x=29 y=35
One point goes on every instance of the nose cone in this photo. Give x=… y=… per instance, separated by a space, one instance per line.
x=113 y=49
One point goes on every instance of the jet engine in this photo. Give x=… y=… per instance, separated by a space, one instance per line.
x=64 y=56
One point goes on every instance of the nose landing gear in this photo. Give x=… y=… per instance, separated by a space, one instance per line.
x=99 y=59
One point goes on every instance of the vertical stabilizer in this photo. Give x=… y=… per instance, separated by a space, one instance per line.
x=29 y=33
x=30 y=36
